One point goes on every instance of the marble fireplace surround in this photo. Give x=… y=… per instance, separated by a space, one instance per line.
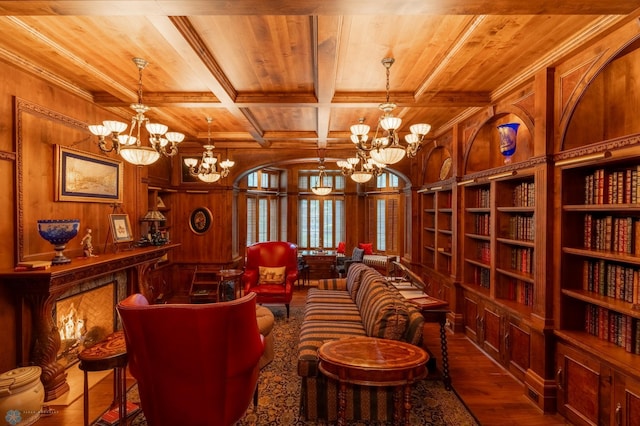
x=37 y=292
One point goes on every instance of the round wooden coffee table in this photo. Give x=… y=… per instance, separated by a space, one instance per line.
x=371 y=361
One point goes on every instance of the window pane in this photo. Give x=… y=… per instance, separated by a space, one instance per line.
x=273 y=220
x=252 y=180
x=251 y=221
x=327 y=237
x=303 y=223
x=265 y=180
x=381 y=226
x=339 y=221
x=263 y=220
x=314 y=224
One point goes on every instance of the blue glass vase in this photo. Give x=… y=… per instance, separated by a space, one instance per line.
x=508 y=133
x=58 y=232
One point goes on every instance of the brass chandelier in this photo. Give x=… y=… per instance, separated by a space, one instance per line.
x=361 y=168
x=385 y=147
x=207 y=171
x=129 y=146
x=321 y=188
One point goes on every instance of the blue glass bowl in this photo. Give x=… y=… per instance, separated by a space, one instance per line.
x=58 y=232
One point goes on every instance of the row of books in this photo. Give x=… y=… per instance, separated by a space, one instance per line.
x=483 y=198
x=520 y=292
x=483 y=252
x=612 y=187
x=612 y=280
x=524 y=195
x=619 y=234
x=482 y=277
x=522 y=227
x=522 y=259
x=621 y=330
x=482 y=224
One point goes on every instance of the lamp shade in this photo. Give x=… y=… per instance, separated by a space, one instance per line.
x=389 y=155
x=361 y=176
x=209 y=177
x=139 y=155
x=153 y=215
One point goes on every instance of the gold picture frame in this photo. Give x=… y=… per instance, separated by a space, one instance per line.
x=85 y=177
x=120 y=228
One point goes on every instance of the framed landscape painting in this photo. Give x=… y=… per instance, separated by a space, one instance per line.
x=84 y=177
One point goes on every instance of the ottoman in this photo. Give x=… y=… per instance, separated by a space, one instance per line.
x=265 y=324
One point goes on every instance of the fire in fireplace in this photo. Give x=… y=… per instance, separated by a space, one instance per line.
x=83 y=320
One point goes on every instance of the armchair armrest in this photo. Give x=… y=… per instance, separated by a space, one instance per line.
x=249 y=279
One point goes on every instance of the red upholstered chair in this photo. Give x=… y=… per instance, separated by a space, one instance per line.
x=271 y=254
x=195 y=364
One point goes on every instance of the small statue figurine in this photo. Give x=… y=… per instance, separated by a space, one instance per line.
x=87 y=247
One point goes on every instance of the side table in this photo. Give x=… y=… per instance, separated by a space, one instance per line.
x=230 y=278
x=371 y=361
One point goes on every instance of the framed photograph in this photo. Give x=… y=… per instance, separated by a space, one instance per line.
x=200 y=220
x=120 y=228
x=85 y=177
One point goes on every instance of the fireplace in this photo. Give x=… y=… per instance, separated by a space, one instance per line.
x=83 y=320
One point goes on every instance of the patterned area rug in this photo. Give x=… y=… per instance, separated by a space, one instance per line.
x=279 y=389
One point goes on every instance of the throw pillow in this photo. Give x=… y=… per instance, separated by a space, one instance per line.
x=271 y=275
x=357 y=255
x=341 y=247
x=367 y=247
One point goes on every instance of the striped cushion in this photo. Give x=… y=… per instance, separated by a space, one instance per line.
x=354 y=278
x=314 y=333
x=328 y=296
x=332 y=311
x=383 y=314
x=332 y=284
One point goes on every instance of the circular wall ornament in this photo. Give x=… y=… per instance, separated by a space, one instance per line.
x=445 y=168
x=200 y=220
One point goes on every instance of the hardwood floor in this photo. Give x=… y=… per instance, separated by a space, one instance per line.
x=488 y=390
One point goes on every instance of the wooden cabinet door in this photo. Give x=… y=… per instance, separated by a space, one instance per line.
x=625 y=410
x=517 y=344
x=584 y=387
x=471 y=318
x=492 y=331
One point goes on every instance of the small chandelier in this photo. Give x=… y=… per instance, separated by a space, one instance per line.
x=320 y=187
x=368 y=169
x=129 y=146
x=385 y=147
x=206 y=171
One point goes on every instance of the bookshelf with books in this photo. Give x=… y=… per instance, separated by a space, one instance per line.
x=505 y=302
x=599 y=282
x=444 y=230
x=428 y=224
x=437 y=228
x=477 y=237
x=515 y=241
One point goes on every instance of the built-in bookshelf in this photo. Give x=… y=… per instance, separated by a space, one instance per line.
x=477 y=236
x=515 y=240
x=428 y=229
x=437 y=229
x=600 y=272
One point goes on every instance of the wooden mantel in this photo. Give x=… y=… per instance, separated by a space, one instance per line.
x=37 y=292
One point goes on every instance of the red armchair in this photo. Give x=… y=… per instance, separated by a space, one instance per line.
x=271 y=254
x=195 y=364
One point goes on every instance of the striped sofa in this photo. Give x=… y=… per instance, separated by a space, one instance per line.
x=362 y=304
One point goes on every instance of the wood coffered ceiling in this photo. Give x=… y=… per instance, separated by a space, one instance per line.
x=297 y=74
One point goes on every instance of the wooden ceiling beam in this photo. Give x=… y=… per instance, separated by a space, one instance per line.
x=314 y=7
x=180 y=34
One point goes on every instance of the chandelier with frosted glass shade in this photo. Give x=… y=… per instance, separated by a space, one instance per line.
x=361 y=168
x=385 y=147
x=129 y=146
x=206 y=170
x=321 y=187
